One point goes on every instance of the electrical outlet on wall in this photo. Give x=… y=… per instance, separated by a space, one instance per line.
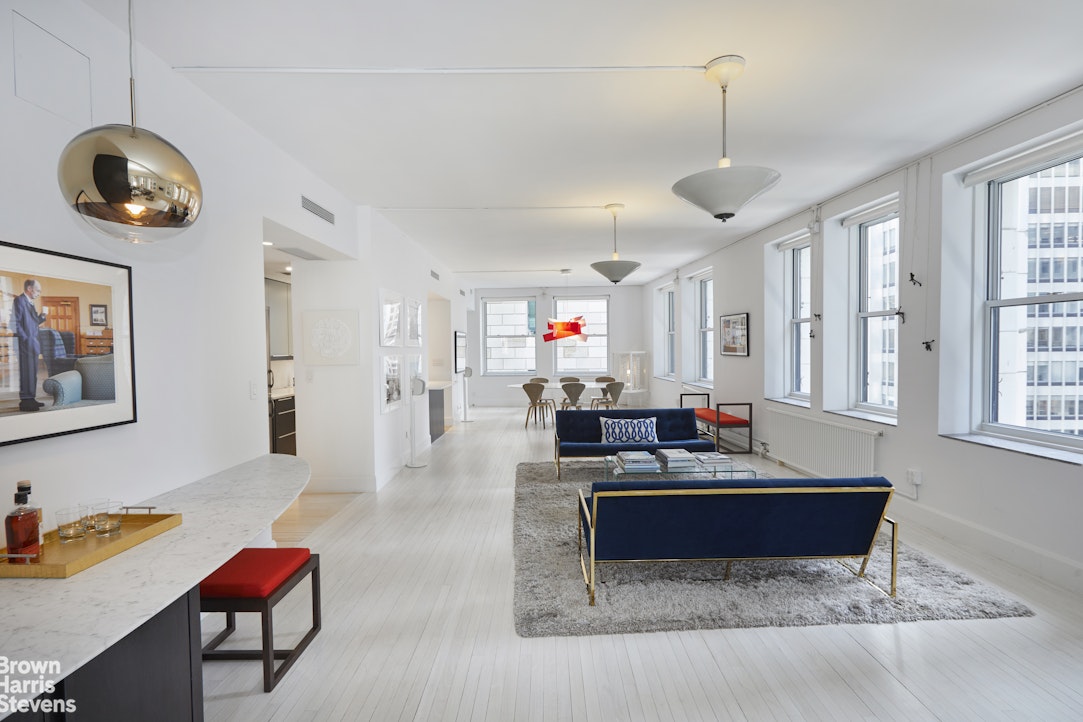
x=915 y=477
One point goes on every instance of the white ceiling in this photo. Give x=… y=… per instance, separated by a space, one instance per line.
x=502 y=175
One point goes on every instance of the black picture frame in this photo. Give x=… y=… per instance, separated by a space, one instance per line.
x=460 y=351
x=82 y=380
x=99 y=314
x=733 y=334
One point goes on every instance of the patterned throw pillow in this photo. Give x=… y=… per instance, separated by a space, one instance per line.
x=617 y=431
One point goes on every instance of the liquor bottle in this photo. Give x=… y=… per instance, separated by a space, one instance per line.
x=22 y=529
x=24 y=485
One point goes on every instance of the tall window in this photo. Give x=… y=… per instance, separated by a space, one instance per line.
x=1034 y=299
x=667 y=348
x=705 y=328
x=800 y=322
x=508 y=330
x=575 y=356
x=877 y=316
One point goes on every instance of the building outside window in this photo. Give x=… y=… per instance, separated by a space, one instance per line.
x=575 y=357
x=799 y=342
x=877 y=315
x=509 y=326
x=705 y=328
x=1034 y=298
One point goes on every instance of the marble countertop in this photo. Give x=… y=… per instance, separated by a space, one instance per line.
x=283 y=393
x=73 y=620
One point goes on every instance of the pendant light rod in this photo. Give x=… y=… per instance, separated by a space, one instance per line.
x=724 y=153
x=131 y=63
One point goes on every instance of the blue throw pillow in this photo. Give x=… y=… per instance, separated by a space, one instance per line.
x=618 y=431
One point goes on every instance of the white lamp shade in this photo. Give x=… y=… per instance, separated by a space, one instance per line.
x=724 y=191
x=615 y=271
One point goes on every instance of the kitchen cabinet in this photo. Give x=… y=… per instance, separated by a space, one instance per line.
x=283 y=425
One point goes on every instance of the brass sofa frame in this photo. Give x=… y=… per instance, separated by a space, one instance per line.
x=589 y=566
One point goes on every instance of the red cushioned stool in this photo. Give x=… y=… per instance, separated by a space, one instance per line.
x=255 y=580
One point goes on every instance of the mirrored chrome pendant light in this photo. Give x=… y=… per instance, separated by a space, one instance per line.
x=615 y=270
x=724 y=190
x=128 y=182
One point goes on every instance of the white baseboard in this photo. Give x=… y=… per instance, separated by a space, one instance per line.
x=340 y=484
x=1048 y=566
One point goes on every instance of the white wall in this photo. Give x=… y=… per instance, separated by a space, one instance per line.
x=1018 y=507
x=626 y=333
x=199 y=339
x=198 y=302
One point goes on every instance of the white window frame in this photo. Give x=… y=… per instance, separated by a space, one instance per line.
x=863 y=316
x=795 y=326
x=593 y=332
x=530 y=340
x=705 y=331
x=666 y=311
x=1043 y=373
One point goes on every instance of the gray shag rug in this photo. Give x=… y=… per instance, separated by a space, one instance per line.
x=551 y=597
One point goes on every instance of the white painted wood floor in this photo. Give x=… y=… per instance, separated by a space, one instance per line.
x=417 y=625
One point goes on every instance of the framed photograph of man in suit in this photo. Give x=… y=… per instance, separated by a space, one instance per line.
x=58 y=375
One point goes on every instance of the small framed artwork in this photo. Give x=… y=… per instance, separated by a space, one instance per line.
x=460 y=352
x=390 y=318
x=733 y=334
x=46 y=387
x=391 y=398
x=330 y=337
x=99 y=314
x=413 y=322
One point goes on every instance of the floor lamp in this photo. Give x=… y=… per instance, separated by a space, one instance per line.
x=417 y=388
x=467 y=373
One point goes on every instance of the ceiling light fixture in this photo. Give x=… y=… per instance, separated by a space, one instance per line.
x=615 y=270
x=724 y=190
x=128 y=182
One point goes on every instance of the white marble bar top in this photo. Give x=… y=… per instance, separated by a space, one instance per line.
x=73 y=620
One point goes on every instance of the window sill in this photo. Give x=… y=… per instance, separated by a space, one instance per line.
x=866 y=416
x=791 y=402
x=696 y=385
x=1021 y=447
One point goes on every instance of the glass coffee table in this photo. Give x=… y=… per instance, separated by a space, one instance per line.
x=727 y=470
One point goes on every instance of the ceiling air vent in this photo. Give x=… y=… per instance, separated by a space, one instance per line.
x=317 y=209
x=435 y=275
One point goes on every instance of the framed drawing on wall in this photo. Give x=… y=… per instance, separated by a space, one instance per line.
x=460 y=352
x=47 y=301
x=391 y=397
x=733 y=334
x=413 y=322
x=390 y=318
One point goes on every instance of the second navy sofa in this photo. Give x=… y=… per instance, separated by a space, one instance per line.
x=579 y=433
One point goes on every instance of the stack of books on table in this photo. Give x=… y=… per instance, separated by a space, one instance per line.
x=713 y=460
x=633 y=461
x=676 y=460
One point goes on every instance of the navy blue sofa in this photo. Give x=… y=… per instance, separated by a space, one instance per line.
x=579 y=433
x=733 y=519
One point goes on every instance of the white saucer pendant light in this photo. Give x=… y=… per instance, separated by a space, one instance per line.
x=128 y=182
x=724 y=190
x=615 y=270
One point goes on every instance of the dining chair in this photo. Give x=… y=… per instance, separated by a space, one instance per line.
x=604 y=391
x=572 y=391
x=539 y=380
x=609 y=400
x=534 y=393
x=569 y=379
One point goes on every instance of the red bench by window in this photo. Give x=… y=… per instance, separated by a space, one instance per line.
x=715 y=419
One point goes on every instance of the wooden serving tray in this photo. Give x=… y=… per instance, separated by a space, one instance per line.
x=60 y=560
